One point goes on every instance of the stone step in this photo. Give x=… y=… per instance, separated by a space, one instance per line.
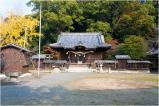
x=79 y=68
x=78 y=65
x=75 y=70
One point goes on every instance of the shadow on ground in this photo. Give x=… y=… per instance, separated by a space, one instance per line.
x=58 y=95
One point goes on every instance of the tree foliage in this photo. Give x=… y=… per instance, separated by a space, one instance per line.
x=57 y=16
x=135 y=46
x=14 y=28
x=104 y=27
x=134 y=18
x=115 y=19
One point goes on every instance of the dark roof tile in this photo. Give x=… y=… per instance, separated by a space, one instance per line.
x=88 y=40
x=136 y=61
x=122 y=57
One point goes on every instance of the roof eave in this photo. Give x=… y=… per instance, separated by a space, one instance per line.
x=16 y=46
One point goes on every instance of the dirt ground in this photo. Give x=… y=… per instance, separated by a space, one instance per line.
x=83 y=89
x=115 y=81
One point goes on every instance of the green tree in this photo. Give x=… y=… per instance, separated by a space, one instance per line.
x=99 y=26
x=135 y=46
x=57 y=16
x=115 y=19
x=133 y=18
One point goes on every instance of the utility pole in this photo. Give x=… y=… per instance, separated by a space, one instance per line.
x=39 y=43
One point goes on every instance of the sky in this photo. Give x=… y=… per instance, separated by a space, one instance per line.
x=17 y=7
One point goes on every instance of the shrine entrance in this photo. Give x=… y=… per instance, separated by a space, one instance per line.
x=78 y=57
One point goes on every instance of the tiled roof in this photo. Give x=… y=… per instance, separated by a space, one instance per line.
x=122 y=57
x=153 y=52
x=136 y=61
x=56 y=61
x=105 y=61
x=88 y=40
x=42 y=56
x=15 y=46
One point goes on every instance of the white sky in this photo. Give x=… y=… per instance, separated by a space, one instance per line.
x=18 y=7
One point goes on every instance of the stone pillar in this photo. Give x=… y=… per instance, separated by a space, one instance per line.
x=101 y=67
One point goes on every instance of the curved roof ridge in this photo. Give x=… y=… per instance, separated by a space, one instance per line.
x=80 y=33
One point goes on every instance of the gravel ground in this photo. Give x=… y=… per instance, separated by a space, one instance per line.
x=51 y=90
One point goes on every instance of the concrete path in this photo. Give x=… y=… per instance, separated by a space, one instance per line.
x=50 y=90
